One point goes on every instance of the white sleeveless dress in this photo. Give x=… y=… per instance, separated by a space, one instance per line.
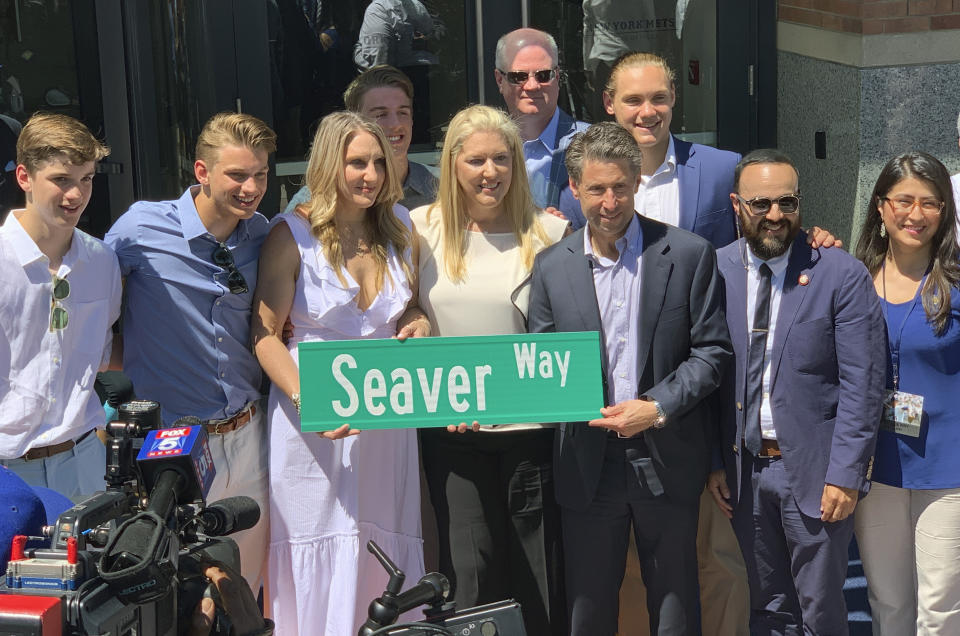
x=327 y=498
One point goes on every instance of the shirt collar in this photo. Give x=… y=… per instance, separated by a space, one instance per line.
x=549 y=134
x=419 y=178
x=631 y=241
x=190 y=223
x=777 y=265
x=669 y=161
x=26 y=249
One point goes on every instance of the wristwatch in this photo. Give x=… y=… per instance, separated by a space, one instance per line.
x=661 y=420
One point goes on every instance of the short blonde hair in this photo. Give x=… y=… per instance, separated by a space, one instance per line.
x=517 y=202
x=639 y=60
x=233 y=129
x=325 y=180
x=47 y=136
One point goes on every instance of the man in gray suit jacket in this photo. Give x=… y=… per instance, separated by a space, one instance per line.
x=654 y=294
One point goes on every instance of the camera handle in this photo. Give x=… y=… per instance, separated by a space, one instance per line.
x=432 y=590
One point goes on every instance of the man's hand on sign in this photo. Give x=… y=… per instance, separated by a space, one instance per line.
x=463 y=427
x=627 y=418
x=340 y=433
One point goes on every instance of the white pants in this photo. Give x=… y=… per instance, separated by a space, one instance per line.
x=240 y=459
x=76 y=473
x=910 y=544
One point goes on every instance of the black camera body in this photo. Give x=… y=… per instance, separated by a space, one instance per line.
x=122 y=562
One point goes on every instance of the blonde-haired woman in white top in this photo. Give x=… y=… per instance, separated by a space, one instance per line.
x=492 y=490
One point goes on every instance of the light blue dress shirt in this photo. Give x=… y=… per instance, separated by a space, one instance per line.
x=538 y=157
x=186 y=336
x=618 y=297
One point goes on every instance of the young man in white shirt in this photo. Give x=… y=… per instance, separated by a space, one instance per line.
x=59 y=296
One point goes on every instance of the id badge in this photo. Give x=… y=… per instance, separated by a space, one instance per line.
x=902 y=413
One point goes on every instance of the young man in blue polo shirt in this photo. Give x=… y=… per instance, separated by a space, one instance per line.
x=190 y=267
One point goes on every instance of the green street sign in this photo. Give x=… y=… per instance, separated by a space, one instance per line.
x=370 y=384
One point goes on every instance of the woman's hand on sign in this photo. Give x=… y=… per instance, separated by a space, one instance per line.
x=417 y=329
x=340 y=433
x=463 y=427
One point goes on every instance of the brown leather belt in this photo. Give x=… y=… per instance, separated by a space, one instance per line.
x=42 y=452
x=769 y=448
x=233 y=423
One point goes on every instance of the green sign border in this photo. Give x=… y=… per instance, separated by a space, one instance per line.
x=579 y=401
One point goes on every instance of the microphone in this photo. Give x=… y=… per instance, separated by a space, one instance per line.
x=176 y=466
x=229 y=515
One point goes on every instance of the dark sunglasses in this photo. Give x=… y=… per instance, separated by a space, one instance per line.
x=760 y=206
x=520 y=77
x=58 y=313
x=223 y=257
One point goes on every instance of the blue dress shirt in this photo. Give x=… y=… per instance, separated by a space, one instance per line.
x=186 y=336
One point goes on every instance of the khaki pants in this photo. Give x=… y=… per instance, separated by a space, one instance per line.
x=724 y=592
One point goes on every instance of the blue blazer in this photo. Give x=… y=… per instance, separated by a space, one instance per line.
x=827 y=376
x=559 y=181
x=705 y=176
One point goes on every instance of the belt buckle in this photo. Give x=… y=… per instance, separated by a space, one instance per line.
x=216 y=427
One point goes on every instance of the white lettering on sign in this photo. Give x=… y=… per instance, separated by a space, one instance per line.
x=526 y=357
x=351 y=408
x=400 y=393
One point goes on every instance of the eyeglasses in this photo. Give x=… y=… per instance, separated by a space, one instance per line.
x=58 y=313
x=520 y=77
x=761 y=206
x=904 y=205
x=223 y=257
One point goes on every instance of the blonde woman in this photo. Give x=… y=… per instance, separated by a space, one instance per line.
x=492 y=490
x=342 y=266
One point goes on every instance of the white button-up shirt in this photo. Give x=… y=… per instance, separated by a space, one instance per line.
x=46 y=376
x=778 y=268
x=659 y=194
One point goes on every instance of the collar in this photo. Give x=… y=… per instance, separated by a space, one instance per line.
x=549 y=135
x=419 y=178
x=777 y=264
x=192 y=226
x=631 y=241
x=26 y=249
x=669 y=161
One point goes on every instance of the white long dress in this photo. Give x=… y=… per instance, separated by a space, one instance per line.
x=327 y=498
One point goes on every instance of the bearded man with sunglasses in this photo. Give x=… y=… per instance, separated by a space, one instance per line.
x=528 y=76
x=801 y=408
x=190 y=267
x=59 y=297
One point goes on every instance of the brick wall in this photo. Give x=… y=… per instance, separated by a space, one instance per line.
x=870 y=17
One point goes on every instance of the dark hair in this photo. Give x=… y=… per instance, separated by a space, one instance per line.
x=605 y=141
x=381 y=76
x=944 y=267
x=761 y=155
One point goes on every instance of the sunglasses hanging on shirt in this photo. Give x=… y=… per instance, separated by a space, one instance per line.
x=58 y=313
x=223 y=257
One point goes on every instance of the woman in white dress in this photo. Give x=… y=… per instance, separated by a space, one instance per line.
x=341 y=266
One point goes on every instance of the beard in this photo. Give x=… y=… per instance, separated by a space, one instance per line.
x=767 y=247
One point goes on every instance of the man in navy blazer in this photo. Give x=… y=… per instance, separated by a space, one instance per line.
x=683 y=184
x=801 y=409
x=528 y=76
x=653 y=292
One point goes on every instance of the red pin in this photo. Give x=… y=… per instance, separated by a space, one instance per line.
x=804 y=280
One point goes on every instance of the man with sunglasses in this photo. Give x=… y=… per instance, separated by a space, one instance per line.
x=528 y=76
x=190 y=267
x=59 y=297
x=801 y=407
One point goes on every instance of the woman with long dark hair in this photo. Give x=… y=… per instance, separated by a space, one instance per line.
x=908 y=527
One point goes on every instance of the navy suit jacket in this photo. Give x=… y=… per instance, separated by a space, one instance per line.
x=828 y=370
x=682 y=350
x=559 y=181
x=705 y=177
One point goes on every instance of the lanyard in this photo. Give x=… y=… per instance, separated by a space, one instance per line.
x=895 y=345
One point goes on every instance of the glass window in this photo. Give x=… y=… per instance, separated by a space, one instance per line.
x=593 y=34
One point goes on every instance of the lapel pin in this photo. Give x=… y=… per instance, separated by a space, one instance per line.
x=804 y=280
